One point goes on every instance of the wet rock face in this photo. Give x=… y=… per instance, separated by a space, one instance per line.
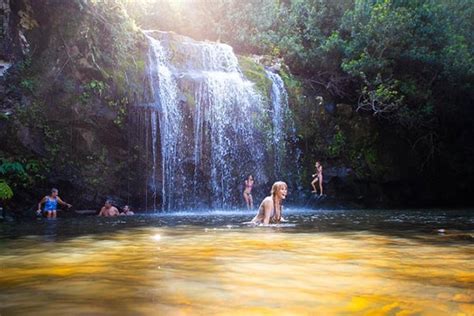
x=30 y=139
x=344 y=110
x=5 y=40
x=357 y=153
x=16 y=18
x=66 y=101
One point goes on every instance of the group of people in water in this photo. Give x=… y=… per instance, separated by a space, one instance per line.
x=269 y=211
x=51 y=206
x=109 y=210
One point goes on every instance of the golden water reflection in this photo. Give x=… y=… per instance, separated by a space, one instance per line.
x=238 y=271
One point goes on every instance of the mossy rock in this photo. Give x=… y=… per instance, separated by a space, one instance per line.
x=255 y=72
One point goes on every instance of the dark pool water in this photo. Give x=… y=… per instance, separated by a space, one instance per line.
x=324 y=262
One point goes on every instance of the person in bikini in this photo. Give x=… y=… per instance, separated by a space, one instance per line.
x=248 y=192
x=51 y=204
x=318 y=178
x=270 y=210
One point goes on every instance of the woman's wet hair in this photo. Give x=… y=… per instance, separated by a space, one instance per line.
x=276 y=186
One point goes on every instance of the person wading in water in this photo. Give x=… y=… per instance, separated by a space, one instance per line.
x=51 y=204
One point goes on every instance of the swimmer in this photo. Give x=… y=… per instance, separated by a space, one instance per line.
x=270 y=210
x=108 y=210
x=126 y=211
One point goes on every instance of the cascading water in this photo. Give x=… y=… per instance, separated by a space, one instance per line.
x=164 y=109
x=210 y=122
x=279 y=102
x=286 y=154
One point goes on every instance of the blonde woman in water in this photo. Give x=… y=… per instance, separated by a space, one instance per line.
x=270 y=210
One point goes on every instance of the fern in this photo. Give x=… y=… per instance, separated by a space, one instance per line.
x=13 y=167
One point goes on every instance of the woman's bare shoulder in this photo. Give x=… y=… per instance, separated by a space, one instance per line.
x=267 y=200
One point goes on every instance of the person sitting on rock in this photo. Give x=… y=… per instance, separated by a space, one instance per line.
x=126 y=211
x=51 y=204
x=109 y=210
x=318 y=177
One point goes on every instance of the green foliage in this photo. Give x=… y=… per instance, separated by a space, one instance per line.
x=239 y=23
x=292 y=84
x=120 y=105
x=24 y=64
x=6 y=192
x=27 y=84
x=255 y=72
x=381 y=97
x=337 y=145
x=395 y=54
x=18 y=174
x=4 y=116
x=92 y=88
x=11 y=167
x=99 y=89
x=402 y=51
x=96 y=86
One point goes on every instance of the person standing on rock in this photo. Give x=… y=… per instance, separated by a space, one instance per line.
x=318 y=178
x=51 y=204
x=248 y=192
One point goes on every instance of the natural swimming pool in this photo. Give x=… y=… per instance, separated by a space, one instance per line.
x=324 y=262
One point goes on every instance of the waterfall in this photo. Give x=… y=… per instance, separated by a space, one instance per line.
x=165 y=112
x=286 y=154
x=279 y=102
x=207 y=120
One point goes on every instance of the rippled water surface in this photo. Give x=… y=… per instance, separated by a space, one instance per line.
x=319 y=263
